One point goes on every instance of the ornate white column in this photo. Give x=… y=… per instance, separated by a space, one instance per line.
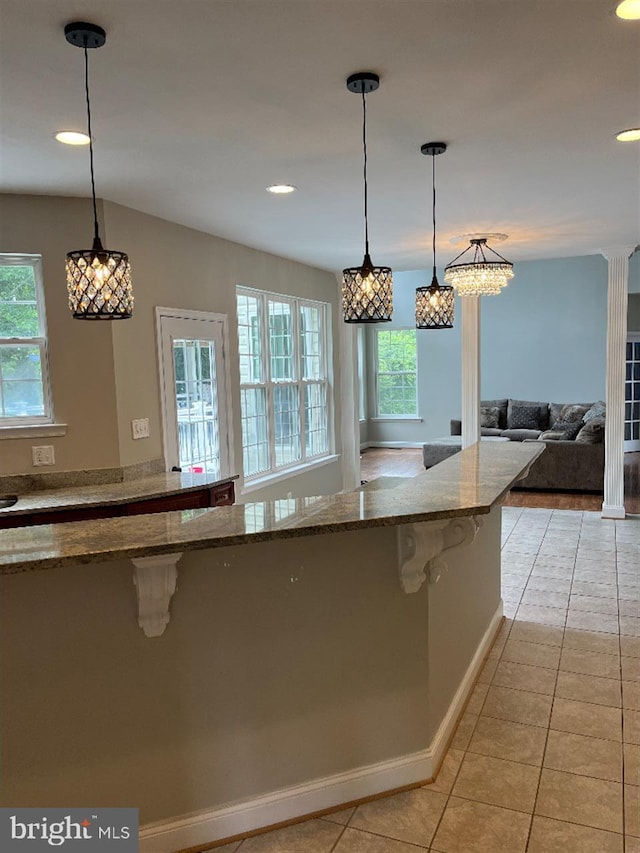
x=349 y=393
x=470 y=370
x=618 y=259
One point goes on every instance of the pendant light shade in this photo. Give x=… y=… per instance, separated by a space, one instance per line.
x=434 y=304
x=367 y=290
x=98 y=279
x=479 y=275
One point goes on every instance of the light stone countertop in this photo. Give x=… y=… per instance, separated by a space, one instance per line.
x=110 y=494
x=469 y=483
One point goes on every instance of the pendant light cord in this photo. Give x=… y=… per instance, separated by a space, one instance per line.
x=364 y=148
x=433 y=175
x=93 y=185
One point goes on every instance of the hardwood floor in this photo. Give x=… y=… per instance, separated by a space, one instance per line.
x=407 y=462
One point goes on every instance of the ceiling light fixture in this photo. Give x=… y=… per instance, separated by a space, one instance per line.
x=479 y=275
x=72 y=137
x=629 y=10
x=281 y=189
x=367 y=291
x=631 y=135
x=434 y=304
x=98 y=279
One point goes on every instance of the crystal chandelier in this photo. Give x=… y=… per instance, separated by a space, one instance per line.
x=479 y=275
x=434 y=304
x=367 y=291
x=98 y=279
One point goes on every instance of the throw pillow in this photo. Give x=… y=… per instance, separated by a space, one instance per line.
x=592 y=432
x=524 y=417
x=490 y=416
x=598 y=410
x=569 y=428
x=571 y=413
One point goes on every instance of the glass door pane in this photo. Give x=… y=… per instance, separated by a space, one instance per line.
x=632 y=396
x=197 y=406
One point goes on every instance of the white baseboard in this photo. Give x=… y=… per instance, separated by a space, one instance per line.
x=397 y=444
x=290 y=803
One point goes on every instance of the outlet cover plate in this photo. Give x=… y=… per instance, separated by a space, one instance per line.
x=140 y=428
x=43 y=455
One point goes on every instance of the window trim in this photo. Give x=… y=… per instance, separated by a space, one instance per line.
x=10 y=259
x=378 y=416
x=277 y=472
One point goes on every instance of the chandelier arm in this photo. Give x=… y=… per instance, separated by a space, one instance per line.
x=457 y=257
x=498 y=255
x=93 y=184
x=366 y=194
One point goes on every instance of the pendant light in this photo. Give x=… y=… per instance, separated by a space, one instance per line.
x=367 y=291
x=434 y=304
x=98 y=279
x=479 y=275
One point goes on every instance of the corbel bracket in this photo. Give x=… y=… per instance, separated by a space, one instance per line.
x=421 y=545
x=155 y=580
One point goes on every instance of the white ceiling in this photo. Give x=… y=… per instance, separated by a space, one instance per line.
x=200 y=104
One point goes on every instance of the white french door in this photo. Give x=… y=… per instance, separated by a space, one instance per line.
x=632 y=394
x=194 y=389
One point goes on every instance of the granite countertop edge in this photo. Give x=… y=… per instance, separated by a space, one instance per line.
x=49 y=546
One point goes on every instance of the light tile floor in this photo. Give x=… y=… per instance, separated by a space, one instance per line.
x=547 y=754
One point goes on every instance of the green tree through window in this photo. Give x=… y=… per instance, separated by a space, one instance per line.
x=397 y=372
x=24 y=391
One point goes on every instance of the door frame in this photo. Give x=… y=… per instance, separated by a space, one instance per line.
x=207 y=316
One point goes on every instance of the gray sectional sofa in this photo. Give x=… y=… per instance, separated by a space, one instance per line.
x=573 y=434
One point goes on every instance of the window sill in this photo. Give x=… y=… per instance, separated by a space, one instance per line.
x=261 y=482
x=32 y=431
x=398 y=418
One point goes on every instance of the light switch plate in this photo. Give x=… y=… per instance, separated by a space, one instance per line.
x=140 y=428
x=43 y=455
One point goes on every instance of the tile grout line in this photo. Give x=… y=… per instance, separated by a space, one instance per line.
x=553 y=699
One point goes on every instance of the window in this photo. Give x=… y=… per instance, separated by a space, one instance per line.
x=24 y=375
x=397 y=395
x=284 y=387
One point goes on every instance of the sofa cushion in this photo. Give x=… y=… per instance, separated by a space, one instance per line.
x=598 y=410
x=592 y=432
x=572 y=413
x=490 y=432
x=490 y=416
x=541 y=410
x=570 y=429
x=520 y=434
x=552 y=435
x=555 y=410
x=499 y=404
x=524 y=417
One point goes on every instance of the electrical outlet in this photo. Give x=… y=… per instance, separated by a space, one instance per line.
x=140 y=428
x=43 y=455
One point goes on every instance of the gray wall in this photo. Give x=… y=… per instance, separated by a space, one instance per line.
x=633 y=314
x=543 y=338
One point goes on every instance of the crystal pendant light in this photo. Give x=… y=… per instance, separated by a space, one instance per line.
x=479 y=275
x=367 y=291
x=434 y=304
x=98 y=279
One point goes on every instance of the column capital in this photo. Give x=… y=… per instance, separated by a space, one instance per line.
x=620 y=251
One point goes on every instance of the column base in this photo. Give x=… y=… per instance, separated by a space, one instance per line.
x=611 y=511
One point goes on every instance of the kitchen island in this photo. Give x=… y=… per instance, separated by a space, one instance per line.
x=294 y=655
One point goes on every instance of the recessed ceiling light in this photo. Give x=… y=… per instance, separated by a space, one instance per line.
x=281 y=189
x=72 y=137
x=632 y=135
x=629 y=10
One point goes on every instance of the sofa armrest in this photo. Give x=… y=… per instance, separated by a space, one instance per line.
x=456 y=427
